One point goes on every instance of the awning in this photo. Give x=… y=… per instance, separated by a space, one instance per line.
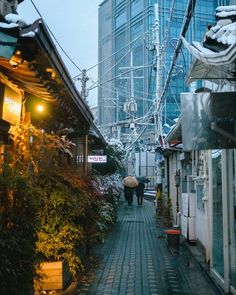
x=199 y=70
x=174 y=137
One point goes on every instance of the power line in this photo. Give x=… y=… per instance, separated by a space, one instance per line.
x=92 y=86
x=113 y=78
x=126 y=92
x=167 y=31
x=116 y=52
x=55 y=38
x=188 y=15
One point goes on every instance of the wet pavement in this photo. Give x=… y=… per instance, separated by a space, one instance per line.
x=136 y=259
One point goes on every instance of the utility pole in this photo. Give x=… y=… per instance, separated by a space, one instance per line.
x=84 y=79
x=118 y=128
x=131 y=106
x=115 y=101
x=158 y=111
x=117 y=106
x=158 y=115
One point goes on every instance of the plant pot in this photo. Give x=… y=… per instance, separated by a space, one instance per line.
x=173 y=236
x=55 y=275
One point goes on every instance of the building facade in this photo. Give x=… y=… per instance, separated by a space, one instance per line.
x=127 y=62
x=207 y=198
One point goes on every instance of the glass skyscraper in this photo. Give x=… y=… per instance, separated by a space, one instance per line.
x=127 y=60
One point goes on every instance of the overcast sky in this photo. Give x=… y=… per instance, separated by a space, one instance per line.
x=75 y=25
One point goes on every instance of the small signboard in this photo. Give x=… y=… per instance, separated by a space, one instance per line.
x=97 y=159
x=10 y=105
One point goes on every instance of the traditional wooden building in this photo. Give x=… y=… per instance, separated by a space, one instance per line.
x=36 y=87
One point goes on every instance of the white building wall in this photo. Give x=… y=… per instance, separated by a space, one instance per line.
x=200 y=170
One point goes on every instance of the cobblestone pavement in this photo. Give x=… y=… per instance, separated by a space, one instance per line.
x=136 y=260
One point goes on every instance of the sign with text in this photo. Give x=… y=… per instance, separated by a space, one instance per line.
x=97 y=159
x=10 y=109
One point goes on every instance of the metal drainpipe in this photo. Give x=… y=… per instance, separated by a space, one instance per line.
x=168 y=177
x=86 y=156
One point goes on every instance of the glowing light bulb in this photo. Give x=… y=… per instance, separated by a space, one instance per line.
x=40 y=108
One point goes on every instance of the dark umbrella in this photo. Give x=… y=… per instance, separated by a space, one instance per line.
x=142 y=179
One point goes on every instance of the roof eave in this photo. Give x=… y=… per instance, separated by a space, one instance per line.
x=45 y=42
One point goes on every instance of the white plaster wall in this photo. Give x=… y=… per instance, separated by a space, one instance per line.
x=173 y=167
x=201 y=227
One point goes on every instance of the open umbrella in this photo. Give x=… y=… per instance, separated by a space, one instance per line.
x=142 y=179
x=130 y=181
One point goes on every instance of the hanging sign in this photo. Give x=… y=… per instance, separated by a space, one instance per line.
x=97 y=159
x=10 y=105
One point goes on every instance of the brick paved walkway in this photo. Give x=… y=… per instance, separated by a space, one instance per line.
x=136 y=260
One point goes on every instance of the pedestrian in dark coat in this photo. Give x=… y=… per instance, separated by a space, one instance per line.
x=140 y=192
x=128 y=192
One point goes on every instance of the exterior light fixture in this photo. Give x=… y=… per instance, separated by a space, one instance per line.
x=52 y=72
x=177 y=178
x=14 y=62
x=40 y=108
x=16 y=59
x=132 y=125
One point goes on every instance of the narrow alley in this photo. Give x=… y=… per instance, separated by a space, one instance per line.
x=136 y=259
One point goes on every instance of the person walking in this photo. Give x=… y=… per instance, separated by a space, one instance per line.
x=129 y=183
x=128 y=192
x=140 y=193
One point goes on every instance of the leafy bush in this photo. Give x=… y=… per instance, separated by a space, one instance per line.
x=59 y=234
x=47 y=211
x=17 y=233
x=114 y=161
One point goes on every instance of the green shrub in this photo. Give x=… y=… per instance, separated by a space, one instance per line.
x=17 y=233
x=47 y=211
x=59 y=233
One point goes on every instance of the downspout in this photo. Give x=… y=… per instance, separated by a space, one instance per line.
x=168 y=180
x=86 y=156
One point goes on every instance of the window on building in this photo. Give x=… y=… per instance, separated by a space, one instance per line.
x=119 y=1
x=121 y=18
x=151 y=2
x=138 y=55
x=136 y=7
x=136 y=30
x=120 y=41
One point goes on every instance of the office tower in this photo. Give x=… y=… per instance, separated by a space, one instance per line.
x=127 y=62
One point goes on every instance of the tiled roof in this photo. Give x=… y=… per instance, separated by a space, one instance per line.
x=219 y=45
